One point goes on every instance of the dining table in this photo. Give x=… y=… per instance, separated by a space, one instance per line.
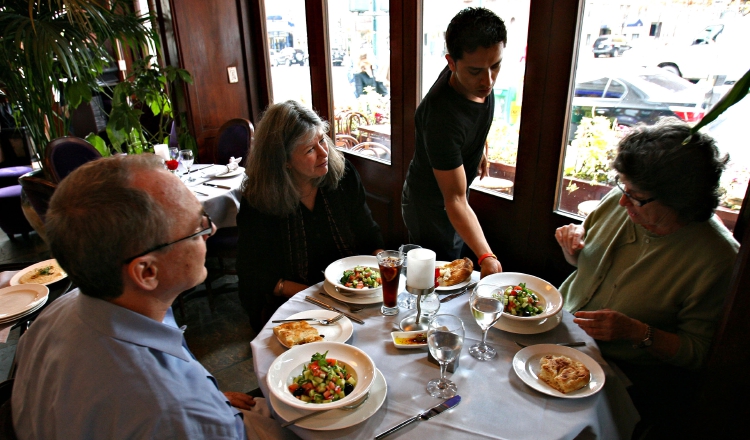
x=495 y=402
x=220 y=194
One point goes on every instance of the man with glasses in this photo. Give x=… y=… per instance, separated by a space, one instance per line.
x=108 y=360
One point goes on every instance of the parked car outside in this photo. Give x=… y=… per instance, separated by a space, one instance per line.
x=643 y=95
x=337 y=56
x=612 y=45
x=290 y=55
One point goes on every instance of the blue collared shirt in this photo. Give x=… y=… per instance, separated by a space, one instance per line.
x=90 y=369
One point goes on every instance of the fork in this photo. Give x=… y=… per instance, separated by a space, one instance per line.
x=352 y=308
x=319 y=321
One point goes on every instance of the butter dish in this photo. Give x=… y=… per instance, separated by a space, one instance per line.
x=415 y=339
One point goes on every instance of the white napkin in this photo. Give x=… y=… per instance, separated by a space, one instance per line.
x=233 y=163
x=215 y=170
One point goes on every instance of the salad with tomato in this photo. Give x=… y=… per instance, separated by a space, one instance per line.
x=520 y=301
x=361 y=277
x=323 y=380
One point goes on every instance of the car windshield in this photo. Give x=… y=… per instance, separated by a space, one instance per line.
x=654 y=84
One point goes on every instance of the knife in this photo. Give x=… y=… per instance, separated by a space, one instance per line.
x=565 y=344
x=292 y=320
x=459 y=293
x=427 y=415
x=216 y=186
x=333 y=309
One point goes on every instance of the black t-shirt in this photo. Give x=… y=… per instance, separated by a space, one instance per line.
x=451 y=131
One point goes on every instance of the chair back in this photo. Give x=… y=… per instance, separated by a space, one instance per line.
x=374 y=149
x=38 y=192
x=235 y=139
x=65 y=154
x=6 y=416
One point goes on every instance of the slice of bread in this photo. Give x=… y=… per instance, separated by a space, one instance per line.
x=563 y=373
x=296 y=333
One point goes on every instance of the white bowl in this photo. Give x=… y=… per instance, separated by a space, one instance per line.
x=548 y=293
x=290 y=364
x=335 y=271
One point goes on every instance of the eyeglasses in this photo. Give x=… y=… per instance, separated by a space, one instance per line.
x=636 y=202
x=208 y=230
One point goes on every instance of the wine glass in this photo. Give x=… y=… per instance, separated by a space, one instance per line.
x=174 y=153
x=407 y=300
x=487 y=307
x=186 y=157
x=445 y=338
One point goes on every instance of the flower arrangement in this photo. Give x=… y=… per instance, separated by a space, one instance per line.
x=589 y=155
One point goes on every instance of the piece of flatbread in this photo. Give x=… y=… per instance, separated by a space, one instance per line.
x=296 y=333
x=455 y=272
x=563 y=373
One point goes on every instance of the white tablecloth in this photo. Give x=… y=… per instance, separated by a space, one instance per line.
x=495 y=402
x=221 y=204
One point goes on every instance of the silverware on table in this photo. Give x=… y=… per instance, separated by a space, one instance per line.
x=323 y=321
x=352 y=308
x=200 y=193
x=313 y=414
x=427 y=415
x=459 y=293
x=331 y=308
x=566 y=344
x=199 y=167
x=216 y=186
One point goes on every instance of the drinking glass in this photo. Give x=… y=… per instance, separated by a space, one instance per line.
x=487 y=307
x=186 y=157
x=390 y=263
x=174 y=153
x=445 y=338
x=406 y=299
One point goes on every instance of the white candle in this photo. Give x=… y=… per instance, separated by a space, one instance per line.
x=162 y=150
x=421 y=264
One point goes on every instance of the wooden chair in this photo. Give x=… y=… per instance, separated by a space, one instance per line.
x=234 y=140
x=340 y=122
x=354 y=120
x=346 y=141
x=65 y=154
x=374 y=149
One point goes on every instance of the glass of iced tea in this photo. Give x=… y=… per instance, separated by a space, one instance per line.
x=390 y=263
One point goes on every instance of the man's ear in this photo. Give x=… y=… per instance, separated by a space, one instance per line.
x=142 y=272
x=451 y=62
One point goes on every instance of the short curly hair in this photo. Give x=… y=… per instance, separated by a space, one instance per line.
x=682 y=177
x=471 y=28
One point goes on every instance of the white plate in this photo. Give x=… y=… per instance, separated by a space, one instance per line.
x=239 y=170
x=340 y=331
x=526 y=366
x=24 y=314
x=338 y=418
x=335 y=271
x=409 y=335
x=290 y=364
x=553 y=300
x=453 y=287
x=16 y=300
x=361 y=299
x=22 y=272
x=530 y=327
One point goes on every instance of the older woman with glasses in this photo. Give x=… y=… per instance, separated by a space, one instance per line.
x=303 y=207
x=653 y=261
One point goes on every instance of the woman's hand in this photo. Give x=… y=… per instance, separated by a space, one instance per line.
x=608 y=325
x=240 y=400
x=570 y=239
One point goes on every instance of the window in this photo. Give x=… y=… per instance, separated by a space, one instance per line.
x=286 y=32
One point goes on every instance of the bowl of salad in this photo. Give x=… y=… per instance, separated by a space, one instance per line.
x=358 y=275
x=525 y=297
x=321 y=376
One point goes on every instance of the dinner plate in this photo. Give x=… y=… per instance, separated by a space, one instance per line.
x=335 y=271
x=361 y=299
x=455 y=286
x=232 y=173
x=19 y=301
x=22 y=272
x=340 y=331
x=530 y=327
x=526 y=366
x=553 y=300
x=337 y=418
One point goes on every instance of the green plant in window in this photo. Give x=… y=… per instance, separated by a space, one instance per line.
x=592 y=150
x=503 y=142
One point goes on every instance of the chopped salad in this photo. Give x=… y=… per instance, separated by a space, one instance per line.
x=361 y=277
x=323 y=380
x=520 y=301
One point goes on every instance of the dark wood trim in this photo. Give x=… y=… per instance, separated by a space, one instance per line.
x=316 y=15
x=253 y=28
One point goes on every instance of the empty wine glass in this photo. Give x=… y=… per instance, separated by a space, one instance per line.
x=186 y=157
x=407 y=300
x=445 y=338
x=174 y=153
x=487 y=307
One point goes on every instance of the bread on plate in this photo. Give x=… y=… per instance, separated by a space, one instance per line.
x=563 y=373
x=296 y=333
x=457 y=271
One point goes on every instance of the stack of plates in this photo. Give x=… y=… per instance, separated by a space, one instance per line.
x=22 y=300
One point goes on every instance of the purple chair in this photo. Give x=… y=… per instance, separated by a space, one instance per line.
x=65 y=154
x=12 y=220
x=235 y=139
x=9 y=175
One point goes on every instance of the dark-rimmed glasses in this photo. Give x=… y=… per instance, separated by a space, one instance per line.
x=206 y=231
x=637 y=202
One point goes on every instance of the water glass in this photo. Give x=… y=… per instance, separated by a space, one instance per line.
x=174 y=153
x=186 y=157
x=487 y=308
x=390 y=263
x=407 y=300
x=445 y=338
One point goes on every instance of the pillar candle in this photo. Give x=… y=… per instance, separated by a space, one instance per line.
x=162 y=150
x=421 y=264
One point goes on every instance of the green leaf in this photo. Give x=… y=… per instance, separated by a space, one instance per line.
x=99 y=144
x=735 y=95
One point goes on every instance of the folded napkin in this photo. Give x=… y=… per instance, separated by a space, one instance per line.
x=215 y=170
x=233 y=163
